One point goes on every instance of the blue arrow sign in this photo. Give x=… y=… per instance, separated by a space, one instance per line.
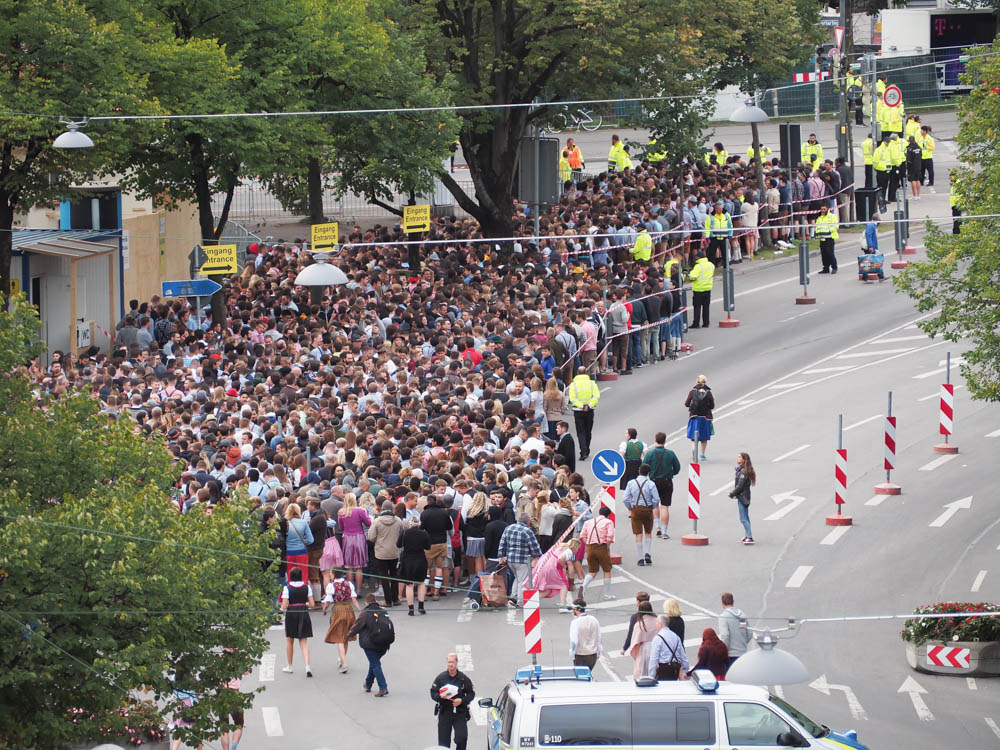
x=192 y=288
x=608 y=466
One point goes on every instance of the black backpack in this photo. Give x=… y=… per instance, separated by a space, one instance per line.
x=699 y=402
x=383 y=633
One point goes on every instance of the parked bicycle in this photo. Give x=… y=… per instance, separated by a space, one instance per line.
x=576 y=119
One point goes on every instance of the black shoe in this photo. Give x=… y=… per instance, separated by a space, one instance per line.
x=410 y=613
x=694 y=326
x=825 y=271
x=641 y=562
x=368 y=688
x=834 y=271
x=649 y=560
x=627 y=372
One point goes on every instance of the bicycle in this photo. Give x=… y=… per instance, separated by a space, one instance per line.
x=577 y=120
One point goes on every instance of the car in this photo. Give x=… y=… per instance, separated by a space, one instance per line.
x=553 y=707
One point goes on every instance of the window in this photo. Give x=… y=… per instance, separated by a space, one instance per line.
x=605 y=724
x=753 y=725
x=661 y=724
x=505 y=711
x=93 y=208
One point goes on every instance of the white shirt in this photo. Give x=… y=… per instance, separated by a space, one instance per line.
x=585 y=636
x=328 y=598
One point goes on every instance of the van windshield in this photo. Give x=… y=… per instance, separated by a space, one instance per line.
x=816 y=730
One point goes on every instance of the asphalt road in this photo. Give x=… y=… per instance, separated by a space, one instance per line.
x=781 y=381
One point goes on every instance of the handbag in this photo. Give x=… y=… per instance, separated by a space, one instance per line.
x=669 y=670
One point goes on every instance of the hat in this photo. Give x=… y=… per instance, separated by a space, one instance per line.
x=232 y=392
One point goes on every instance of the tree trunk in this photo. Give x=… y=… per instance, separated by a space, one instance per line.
x=6 y=246
x=315 y=183
x=761 y=201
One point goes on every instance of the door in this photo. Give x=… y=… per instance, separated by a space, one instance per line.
x=682 y=724
x=752 y=725
x=499 y=721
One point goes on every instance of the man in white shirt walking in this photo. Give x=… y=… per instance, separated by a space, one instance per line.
x=584 y=637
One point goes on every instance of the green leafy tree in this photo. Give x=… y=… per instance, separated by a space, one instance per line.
x=57 y=60
x=961 y=276
x=106 y=588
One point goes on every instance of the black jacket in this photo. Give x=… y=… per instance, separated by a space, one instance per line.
x=436 y=521
x=494 y=530
x=567 y=449
x=362 y=627
x=465 y=691
x=741 y=487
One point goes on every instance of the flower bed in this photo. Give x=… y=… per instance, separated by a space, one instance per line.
x=960 y=645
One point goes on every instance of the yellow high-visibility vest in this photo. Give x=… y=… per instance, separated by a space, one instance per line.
x=718 y=225
x=926 y=146
x=654 y=155
x=897 y=153
x=720 y=157
x=582 y=392
x=826 y=226
x=912 y=128
x=880 y=87
x=702 y=275
x=643 y=247
x=564 y=169
x=808 y=149
x=765 y=152
x=867 y=149
x=882 y=158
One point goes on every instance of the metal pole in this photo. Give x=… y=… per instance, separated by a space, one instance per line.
x=888 y=414
x=842 y=59
x=816 y=94
x=197 y=312
x=872 y=88
x=840 y=442
x=538 y=201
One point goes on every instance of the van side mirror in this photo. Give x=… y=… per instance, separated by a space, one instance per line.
x=791 y=739
x=485 y=702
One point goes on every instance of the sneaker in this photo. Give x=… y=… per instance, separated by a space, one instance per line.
x=343 y=669
x=743 y=540
x=309 y=672
x=641 y=562
x=287 y=669
x=512 y=604
x=649 y=560
x=665 y=535
x=748 y=540
x=659 y=532
x=702 y=457
x=381 y=693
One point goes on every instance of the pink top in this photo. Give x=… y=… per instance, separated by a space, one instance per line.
x=352 y=523
x=598 y=531
x=590 y=336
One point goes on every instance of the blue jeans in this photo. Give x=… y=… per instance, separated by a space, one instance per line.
x=745 y=518
x=374 y=669
x=635 y=348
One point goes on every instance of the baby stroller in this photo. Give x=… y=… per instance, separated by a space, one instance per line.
x=491 y=589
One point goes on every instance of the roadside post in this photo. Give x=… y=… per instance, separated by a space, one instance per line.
x=840 y=479
x=805 y=298
x=694 y=539
x=946 y=417
x=889 y=463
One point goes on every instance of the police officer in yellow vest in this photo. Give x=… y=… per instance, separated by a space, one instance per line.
x=565 y=171
x=654 y=155
x=867 y=151
x=701 y=276
x=642 y=250
x=624 y=159
x=912 y=126
x=812 y=151
x=882 y=162
x=613 y=153
x=881 y=84
x=897 y=156
x=718 y=229
x=720 y=154
x=826 y=232
x=894 y=117
x=926 y=141
x=583 y=395
x=765 y=153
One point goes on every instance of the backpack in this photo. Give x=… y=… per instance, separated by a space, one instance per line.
x=383 y=633
x=699 y=402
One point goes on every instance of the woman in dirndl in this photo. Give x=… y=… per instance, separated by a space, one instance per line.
x=354 y=520
x=296 y=601
x=343 y=600
x=332 y=556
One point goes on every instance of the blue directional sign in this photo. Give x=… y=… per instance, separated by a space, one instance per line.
x=192 y=288
x=608 y=466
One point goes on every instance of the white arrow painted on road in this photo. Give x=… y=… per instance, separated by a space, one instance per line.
x=853 y=703
x=951 y=509
x=912 y=687
x=781 y=497
x=940 y=368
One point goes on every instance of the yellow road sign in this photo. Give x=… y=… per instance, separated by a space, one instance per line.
x=15 y=286
x=416 y=218
x=325 y=236
x=221 y=260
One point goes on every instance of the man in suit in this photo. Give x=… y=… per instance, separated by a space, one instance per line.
x=565 y=445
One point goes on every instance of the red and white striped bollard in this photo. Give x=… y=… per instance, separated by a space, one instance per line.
x=694 y=539
x=840 y=480
x=532 y=623
x=887 y=487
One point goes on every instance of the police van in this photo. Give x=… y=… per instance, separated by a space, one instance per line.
x=563 y=707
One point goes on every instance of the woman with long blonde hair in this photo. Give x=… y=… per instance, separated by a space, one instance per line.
x=475 y=532
x=354 y=521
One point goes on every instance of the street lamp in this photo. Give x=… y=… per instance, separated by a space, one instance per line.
x=321 y=273
x=73 y=138
x=767 y=665
x=749 y=112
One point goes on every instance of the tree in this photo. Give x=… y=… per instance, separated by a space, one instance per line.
x=961 y=276
x=106 y=588
x=514 y=52
x=56 y=61
x=352 y=58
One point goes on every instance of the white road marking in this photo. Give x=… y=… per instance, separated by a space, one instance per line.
x=799 y=576
x=790 y=453
x=279 y=626
x=621 y=627
x=993 y=726
x=785 y=509
x=794 y=317
x=266 y=671
x=653 y=587
x=779 y=386
x=721 y=489
x=464 y=651
x=512 y=616
x=700 y=351
x=875 y=353
x=622 y=602
x=939 y=461
x=897 y=339
x=914 y=690
x=979 y=581
x=605 y=662
x=820 y=370
x=853 y=703
x=272 y=721
x=950 y=510
x=465 y=615
x=876 y=500
x=995 y=433
x=937 y=394
x=746 y=403
x=835 y=534
x=971 y=683
x=863 y=421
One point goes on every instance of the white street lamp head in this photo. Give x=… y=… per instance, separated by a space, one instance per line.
x=321 y=273
x=767 y=665
x=749 y=112
x=73 y=138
